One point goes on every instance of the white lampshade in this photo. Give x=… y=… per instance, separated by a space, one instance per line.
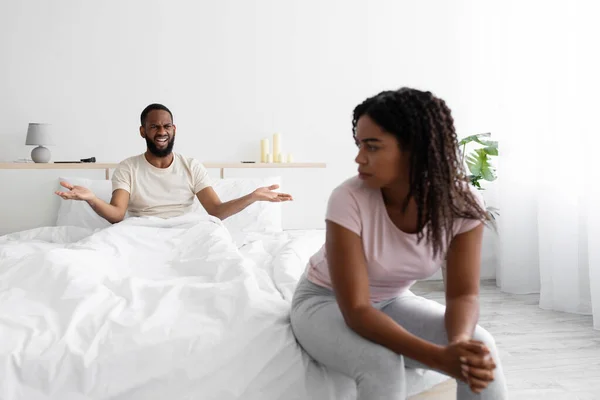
x=38 y=134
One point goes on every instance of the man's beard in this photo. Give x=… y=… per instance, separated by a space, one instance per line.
x=160 y=152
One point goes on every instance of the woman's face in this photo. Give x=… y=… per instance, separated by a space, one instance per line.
x=380 y=161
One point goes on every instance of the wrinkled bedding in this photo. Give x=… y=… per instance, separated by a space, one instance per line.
x=156 y=309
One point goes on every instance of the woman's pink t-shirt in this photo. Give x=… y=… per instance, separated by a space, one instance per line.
x=394 y=259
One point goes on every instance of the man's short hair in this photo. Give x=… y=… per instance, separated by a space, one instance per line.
x=152 y=107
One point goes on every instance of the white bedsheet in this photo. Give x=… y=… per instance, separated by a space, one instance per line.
x=146 y=309
x=156 y=309
x=283 y=255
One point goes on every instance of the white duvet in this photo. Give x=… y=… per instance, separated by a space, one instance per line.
x=154 y=309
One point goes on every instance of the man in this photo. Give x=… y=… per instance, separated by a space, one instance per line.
x=162 y=183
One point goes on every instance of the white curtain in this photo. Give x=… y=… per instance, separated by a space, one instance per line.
x=549 y=133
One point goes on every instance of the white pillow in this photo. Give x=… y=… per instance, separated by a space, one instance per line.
x=262 y=216
x=79 y=213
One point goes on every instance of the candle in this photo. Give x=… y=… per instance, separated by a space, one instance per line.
x=276 y=146
x=290 y=158
x=264 y=150
x=269 y=158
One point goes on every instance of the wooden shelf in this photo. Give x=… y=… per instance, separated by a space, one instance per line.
x=108 y=166
x=265 y=165
x=57 y=166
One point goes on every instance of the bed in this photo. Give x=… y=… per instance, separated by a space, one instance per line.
x=185 y=308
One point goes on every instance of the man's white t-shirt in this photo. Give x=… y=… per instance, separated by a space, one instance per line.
x=161 y=192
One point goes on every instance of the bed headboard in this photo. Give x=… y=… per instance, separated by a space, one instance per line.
x=30 y=186
x=108 y=167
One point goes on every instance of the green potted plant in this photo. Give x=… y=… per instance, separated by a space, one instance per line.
x=479 y=162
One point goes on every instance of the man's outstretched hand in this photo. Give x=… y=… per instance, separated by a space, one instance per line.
x=75 y=192
x=267 y=194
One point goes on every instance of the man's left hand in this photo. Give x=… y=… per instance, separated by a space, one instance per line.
x=267 y=194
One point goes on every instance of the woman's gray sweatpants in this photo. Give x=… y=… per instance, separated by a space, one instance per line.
x=379 y=372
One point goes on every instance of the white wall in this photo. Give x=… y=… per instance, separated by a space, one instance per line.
x=232 y=72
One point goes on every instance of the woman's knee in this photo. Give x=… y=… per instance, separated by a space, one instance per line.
x=485 y=337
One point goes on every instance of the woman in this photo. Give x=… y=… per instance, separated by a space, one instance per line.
x=409 y=208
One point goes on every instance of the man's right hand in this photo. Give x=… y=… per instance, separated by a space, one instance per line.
x=473 y=354
x=75 y=192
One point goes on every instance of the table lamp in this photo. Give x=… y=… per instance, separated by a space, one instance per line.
x=39 y=135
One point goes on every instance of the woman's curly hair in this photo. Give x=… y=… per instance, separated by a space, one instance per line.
x=423 y=125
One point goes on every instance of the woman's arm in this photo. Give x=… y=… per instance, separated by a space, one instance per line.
x=462 y=284
x=348 y=271
x=462 y=304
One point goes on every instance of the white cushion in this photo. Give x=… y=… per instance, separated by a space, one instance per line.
x=262 y=216
x=79 y=213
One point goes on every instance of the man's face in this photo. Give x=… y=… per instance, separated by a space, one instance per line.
x=159 y=133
